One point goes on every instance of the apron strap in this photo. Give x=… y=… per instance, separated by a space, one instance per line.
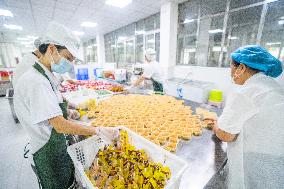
x=63 y=105
x=26 y=151
x=41 y=70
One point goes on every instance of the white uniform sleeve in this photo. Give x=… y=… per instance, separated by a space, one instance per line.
x=148 y=72
x=237 y=111
x=43 y=103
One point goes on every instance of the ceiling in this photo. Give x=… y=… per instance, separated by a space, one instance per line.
x=34 y=15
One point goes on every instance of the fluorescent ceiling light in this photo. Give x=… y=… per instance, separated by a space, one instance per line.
x=89 y=24
x=232 y=37
x=4 y=12
x=139 y=32
x=273 y=43
x=188 y=21
x=216 y=49
x=216 y=31
x=151 y=41
x=13 y=27
x=281 y=22
x=118 y=3
x=79 y=33
x=270 y=1
x=282 y=18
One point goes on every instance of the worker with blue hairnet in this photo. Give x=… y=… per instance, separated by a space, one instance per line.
x=252 y=122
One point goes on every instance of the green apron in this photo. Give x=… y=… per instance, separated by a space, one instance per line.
x=157 y=86
x=54 y=167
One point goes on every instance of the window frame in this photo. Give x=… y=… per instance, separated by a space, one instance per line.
x=225 y=39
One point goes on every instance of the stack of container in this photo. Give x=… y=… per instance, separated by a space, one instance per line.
x=83 y=74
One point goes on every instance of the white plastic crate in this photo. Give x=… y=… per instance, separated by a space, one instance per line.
x=84 y=152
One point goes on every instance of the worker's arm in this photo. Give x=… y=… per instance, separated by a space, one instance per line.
x=71 y=81
x=61 y=125
x=138 y=81
x=222 y=135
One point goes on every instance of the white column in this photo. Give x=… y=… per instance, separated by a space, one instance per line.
x=101 y=50
x=168 y=36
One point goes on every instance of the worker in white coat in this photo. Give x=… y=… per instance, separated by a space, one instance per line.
x=42 y=111
x=252 y=122
x=152 y=71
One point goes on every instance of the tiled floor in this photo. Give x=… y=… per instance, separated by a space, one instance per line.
x=15 y=171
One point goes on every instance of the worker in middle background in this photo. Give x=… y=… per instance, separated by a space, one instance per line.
x=152 y=71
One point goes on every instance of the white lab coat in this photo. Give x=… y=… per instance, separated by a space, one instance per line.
x=255 y=111
x=154 y=70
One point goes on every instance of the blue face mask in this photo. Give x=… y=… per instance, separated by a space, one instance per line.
x=62 y=67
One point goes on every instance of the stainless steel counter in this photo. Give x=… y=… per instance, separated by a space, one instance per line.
x=205 y=155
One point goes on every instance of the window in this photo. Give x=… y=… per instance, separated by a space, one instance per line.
x=139 y=48
x=188 y=11
x=157 y=46
x=210 y=7
x=127 y=45
x=130 y=55
x=210 y=30
x=150 y=42
x=273 y=32
x=120 y=52
x=90 y=51
x=215 y=40
x=152 y=22
x=110 y=47
x=241 y=3
x=242 y=30
x=187 y=32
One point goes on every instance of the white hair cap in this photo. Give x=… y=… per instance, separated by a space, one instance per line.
x=150 y=54
x=60 y=35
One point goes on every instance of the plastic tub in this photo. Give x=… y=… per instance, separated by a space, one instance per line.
x=215 y=96
x=84 y=152
x=82 y=77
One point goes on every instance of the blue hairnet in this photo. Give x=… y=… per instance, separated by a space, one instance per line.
x=258 y=58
